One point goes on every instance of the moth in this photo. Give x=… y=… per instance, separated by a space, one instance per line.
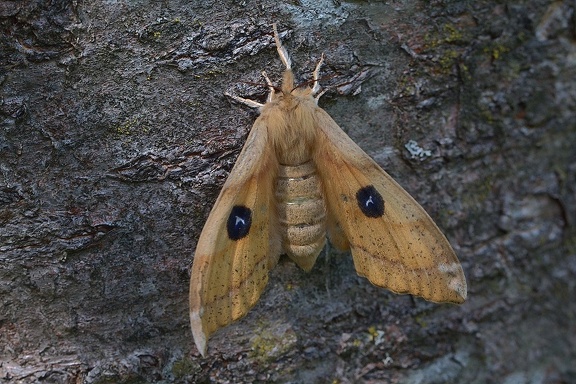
x=298 y=179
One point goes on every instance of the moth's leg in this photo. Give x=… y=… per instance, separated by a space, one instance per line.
x=248 y=102
x=316 y=88
x=316 y=74
x=281 y=50
x=252 y=103
x=270 y=87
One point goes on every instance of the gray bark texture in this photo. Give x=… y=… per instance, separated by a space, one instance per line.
x=116 y=137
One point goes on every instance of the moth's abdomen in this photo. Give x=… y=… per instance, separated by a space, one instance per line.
x=301 y=213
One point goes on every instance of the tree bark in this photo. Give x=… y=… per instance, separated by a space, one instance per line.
x=116 y=137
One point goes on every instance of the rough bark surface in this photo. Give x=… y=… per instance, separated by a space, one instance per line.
x=116 y=137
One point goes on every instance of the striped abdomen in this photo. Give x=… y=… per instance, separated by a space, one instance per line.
x=301 y=213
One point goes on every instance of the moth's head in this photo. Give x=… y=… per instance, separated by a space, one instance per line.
x=289 y=89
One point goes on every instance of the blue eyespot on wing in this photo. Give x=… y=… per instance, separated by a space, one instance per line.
x=370 y=201
x=239 y=222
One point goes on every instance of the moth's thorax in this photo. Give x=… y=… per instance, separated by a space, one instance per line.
x=292 y=126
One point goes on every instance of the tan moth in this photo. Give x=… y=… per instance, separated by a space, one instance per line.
x=299 y=178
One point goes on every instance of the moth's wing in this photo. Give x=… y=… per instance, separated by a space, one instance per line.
x=394 y=243
x=236 y=248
